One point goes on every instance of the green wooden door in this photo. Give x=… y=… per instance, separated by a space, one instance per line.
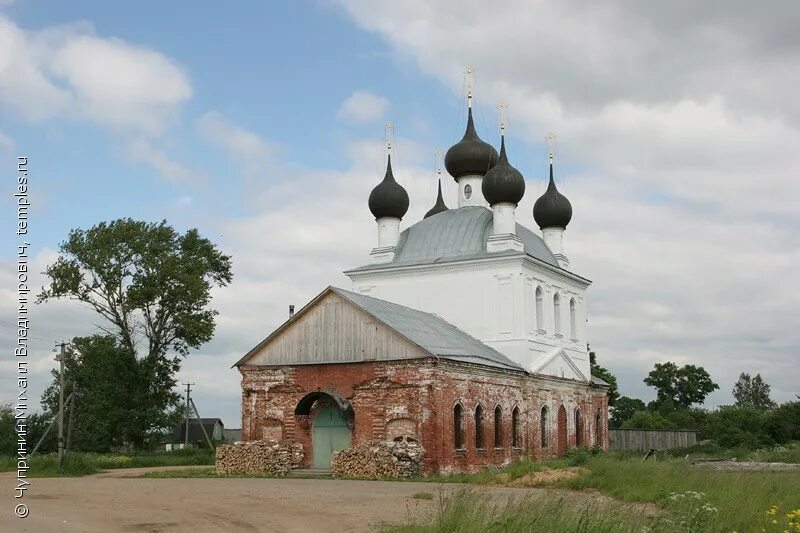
x=329 y=434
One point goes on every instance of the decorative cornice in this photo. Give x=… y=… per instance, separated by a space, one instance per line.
x=512 y=257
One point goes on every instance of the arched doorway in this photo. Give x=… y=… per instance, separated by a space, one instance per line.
x=562 y=430
x=329 y=434
x=331 y=426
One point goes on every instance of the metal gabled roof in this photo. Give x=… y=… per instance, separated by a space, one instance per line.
x=430 y=332
x=457 y=234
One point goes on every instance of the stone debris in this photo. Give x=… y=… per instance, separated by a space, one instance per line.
x=379 y=459
x=258 y=457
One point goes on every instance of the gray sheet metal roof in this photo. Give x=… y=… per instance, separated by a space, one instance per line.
x=458 y=234
x=600 y=382
x=430 y=332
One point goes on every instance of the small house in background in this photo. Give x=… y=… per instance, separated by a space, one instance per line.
x=213 y=426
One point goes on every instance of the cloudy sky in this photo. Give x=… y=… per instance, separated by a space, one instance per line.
x=678 y=129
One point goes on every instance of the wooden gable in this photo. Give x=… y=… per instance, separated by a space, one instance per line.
x=332 y=329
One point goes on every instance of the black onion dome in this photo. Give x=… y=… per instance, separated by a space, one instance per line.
x=552 y=209
x=388 y=198
x=470 y=155
x=503 y=183
x=439 y=206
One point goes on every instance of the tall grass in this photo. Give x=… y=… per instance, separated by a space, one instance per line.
x=46 y=465
x=741 y=498
x=473 y=512
x=81 y=464
x=787 y=453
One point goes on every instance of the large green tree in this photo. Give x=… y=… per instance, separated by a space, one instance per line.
x=152 y=286
x=683 y=386
x=624 y=408
x=752 y=392
x=605 y=375
x=104 y=380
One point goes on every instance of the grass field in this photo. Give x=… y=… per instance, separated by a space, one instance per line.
x=81 y=464
x=468 y=512
x=741 y=499
x=694 y=499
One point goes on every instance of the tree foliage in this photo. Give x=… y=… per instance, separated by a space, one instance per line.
x=733 y=426
x=752 y=392
x=35 y=426
x=753 y=423
x=624 y=408
x=783 y=422
x=647 y=420
x=105 y=381
x=605 y=375
x=683 y=386
x=152 y=286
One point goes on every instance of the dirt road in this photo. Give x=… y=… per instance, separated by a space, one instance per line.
x=118 y=502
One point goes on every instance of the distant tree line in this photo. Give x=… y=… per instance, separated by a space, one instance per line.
x=753 y=421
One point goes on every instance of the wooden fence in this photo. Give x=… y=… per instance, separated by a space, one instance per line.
x=646 y=439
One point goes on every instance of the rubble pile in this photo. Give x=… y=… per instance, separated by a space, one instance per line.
x=379 y=459
x=258 y=457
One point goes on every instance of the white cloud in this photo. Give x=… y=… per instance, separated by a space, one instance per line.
x=67 y=71
x=119 y=84
x=142 y=151
x=362 y=107
x=246 y=147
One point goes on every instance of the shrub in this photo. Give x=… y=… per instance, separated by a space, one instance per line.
x=783 y=422
x=579 y=456
x=731 y=426
x=647 y=420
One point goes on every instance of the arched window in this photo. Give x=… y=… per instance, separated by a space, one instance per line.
x=458 y=427
x=498 y=427
x=598 y=430
x=573 y=325
x=539 y=308
x=578 y=428
x=557 y=314
x=543 y=427
x=479 y=427
x=516 y=441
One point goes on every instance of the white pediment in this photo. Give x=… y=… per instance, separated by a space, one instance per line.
x=557 y=363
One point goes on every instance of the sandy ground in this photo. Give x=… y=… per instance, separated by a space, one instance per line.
x=119 y=501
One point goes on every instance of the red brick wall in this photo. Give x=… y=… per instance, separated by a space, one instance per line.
x=420 y=396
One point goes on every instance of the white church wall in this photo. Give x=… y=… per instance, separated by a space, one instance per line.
x=495 y=301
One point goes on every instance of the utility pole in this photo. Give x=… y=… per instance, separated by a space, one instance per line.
x=71 y=404
x=186 y=424
x=60 y=359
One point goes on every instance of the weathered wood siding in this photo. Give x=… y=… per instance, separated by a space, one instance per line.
x=646 y=439
x=335 y=331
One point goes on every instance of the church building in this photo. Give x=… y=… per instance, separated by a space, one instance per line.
x=465 y=331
